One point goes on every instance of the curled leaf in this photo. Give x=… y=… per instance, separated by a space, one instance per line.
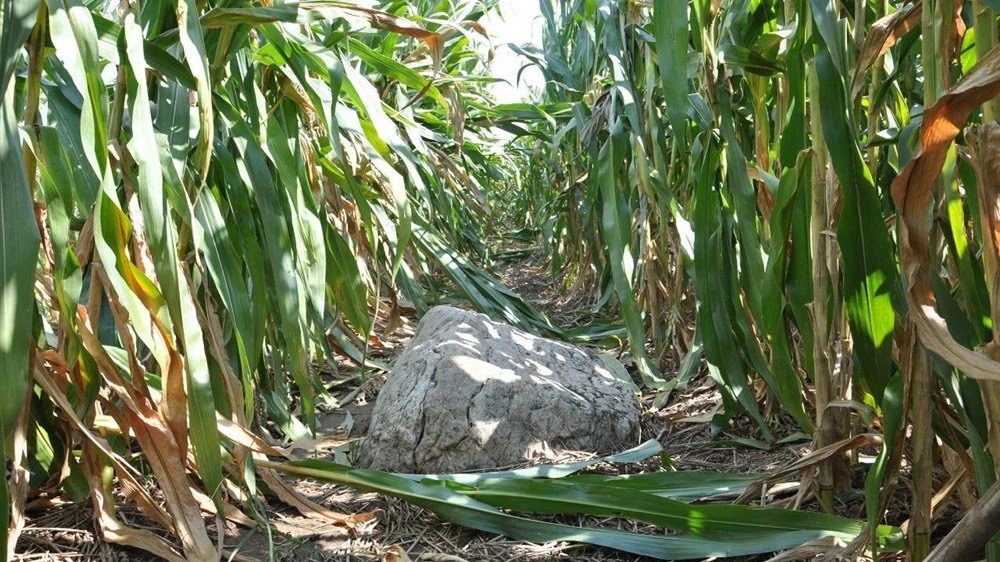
x=912 y=192
x=881 y=37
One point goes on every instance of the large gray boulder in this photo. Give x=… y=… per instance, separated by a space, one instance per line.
x=469 y=393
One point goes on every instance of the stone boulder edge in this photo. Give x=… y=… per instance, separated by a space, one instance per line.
x=469 y=393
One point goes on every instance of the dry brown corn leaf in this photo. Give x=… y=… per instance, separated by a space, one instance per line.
x=913 y=194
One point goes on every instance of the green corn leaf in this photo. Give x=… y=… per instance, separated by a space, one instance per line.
x=344 y=280
x=306 y=229
x=560 y=496
x=458 y=508
x=683 y=486
x=794 y=183
x=486 y=293
x=193 y=45
x=235 y=208
x=74 y=36
x=671 y=21
x=616 y=222
x=893 y=407
x=109 y=34
x=214 y=238
x=20 y=239
x=383 y=129
x=714 y=263
x=279 y=249
x=162 y=238
x=871 y=280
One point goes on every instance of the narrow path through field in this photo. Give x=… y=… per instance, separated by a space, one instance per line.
x=681 y=425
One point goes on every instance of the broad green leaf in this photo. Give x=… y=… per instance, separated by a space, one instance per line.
x=193 y=45
x=721 y=521
x=714 y=286
x=793 y=184
x=20 y=239
x=74 y=36
x=216 y=240
x=345 y=283
x=871 y=283
x=458 y=508
x=683 y=486
x=486 y=293
x=671 y=22
x=109 y=34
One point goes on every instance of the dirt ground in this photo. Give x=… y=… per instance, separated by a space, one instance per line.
x=399 y=531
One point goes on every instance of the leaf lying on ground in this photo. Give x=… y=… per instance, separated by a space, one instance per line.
x=557 y=496
x=789 y=530
x=682 y=486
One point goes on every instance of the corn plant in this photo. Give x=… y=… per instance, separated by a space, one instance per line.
x=203 y=201
x=790 y=165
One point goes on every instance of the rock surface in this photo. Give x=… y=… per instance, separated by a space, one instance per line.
x=468 y=393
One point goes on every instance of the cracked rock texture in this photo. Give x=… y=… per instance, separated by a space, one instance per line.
x=469 y=393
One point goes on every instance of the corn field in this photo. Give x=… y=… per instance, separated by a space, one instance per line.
x=208 y=206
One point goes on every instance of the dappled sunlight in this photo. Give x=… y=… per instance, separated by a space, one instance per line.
x=469 y=393
x=482 y=371
x=880 y=288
